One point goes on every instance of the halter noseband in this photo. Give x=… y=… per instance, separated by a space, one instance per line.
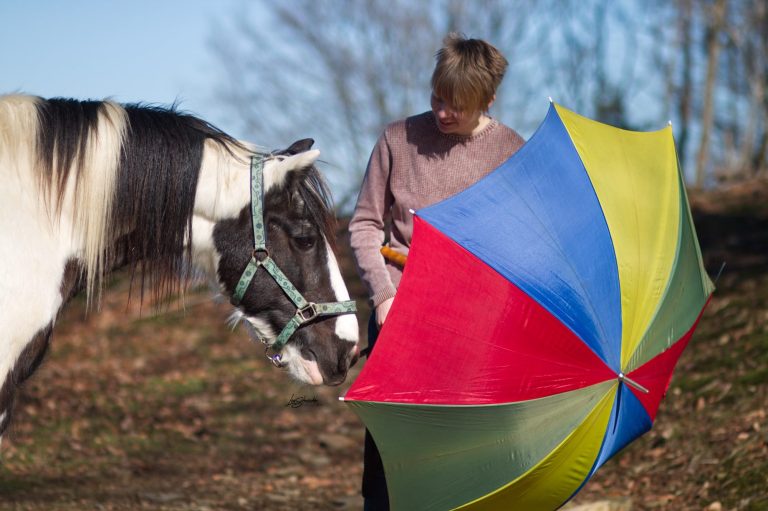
x=305 y=310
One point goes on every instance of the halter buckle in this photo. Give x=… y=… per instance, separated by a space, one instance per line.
x=307 y=313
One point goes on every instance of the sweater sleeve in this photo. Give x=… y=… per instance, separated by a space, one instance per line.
x=367 y=225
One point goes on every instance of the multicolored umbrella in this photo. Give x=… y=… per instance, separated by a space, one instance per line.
x=538 y=322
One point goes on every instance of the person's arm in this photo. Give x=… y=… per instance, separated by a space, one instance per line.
x=366 y=228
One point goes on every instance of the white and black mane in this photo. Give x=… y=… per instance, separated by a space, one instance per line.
x=87 y=187
x=155 y=181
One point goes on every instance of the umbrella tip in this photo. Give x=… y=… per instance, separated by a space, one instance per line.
x=550 y=99
x=669 y=122
x=341 y=398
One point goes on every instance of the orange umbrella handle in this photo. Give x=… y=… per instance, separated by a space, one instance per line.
x=393 y=256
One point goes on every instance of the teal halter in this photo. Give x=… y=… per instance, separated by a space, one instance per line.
x=305 y=310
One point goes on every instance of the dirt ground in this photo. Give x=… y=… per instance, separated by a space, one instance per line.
x=134 y=410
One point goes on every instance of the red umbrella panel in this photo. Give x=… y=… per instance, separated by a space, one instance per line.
x=538 y=322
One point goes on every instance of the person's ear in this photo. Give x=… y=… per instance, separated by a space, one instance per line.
x=490 y=103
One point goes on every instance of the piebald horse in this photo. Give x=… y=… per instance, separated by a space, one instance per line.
x=88 y=187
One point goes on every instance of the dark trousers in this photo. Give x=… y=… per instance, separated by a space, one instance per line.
x=374 y=483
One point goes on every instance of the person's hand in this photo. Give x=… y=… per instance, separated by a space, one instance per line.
x=382 y=310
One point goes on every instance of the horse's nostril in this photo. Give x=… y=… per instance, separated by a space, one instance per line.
x=336 y=381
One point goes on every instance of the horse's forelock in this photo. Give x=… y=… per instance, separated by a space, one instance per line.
x=313 y=193
x=316 y=196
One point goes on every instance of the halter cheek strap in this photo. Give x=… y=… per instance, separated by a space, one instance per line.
x=305 y=310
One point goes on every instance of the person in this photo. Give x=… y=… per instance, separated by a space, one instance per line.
x=417 y=162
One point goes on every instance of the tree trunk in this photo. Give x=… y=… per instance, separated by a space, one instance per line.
x=686 y=86
x=714 y=27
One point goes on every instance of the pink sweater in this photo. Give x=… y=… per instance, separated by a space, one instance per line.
x=414 y=165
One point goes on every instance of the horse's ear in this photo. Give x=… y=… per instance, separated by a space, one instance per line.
x=305 y=144
x=276 y=169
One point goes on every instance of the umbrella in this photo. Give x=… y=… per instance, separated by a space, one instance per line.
x=538 y=321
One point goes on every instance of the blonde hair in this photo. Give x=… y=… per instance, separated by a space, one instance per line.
x=467 y=73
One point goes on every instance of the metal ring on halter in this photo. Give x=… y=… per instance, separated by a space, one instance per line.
x=276 y=359
x=260 y=254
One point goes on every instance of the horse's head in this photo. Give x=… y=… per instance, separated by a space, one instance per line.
x=299 y=228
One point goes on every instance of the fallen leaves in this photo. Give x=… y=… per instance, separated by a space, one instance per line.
x=182 y=414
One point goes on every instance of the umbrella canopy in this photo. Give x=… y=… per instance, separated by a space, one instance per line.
x=538 y=321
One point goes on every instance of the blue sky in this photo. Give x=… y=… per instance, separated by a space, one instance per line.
x=154 y=51
x=137 y=50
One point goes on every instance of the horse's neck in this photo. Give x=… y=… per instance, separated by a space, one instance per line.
x=204 y=254
x=223 y=190
x=223 y=185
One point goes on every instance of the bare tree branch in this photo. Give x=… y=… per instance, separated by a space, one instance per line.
x=340 y=70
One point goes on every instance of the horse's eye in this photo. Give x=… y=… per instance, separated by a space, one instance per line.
x=304 y=242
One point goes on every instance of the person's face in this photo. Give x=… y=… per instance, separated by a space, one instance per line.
x=452 y=121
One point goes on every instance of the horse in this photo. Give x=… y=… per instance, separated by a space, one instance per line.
x=90 y=187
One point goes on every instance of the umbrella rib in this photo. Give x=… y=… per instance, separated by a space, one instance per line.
x=632 y=383
x=558 y=248
x=637 y=258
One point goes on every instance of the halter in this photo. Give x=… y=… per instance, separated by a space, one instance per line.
x=305 y=310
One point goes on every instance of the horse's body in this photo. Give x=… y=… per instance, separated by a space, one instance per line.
x=89 y=187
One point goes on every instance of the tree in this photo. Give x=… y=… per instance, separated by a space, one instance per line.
x=752 y=53
x=341 y=70
x=713 y=54
x=715 y=27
